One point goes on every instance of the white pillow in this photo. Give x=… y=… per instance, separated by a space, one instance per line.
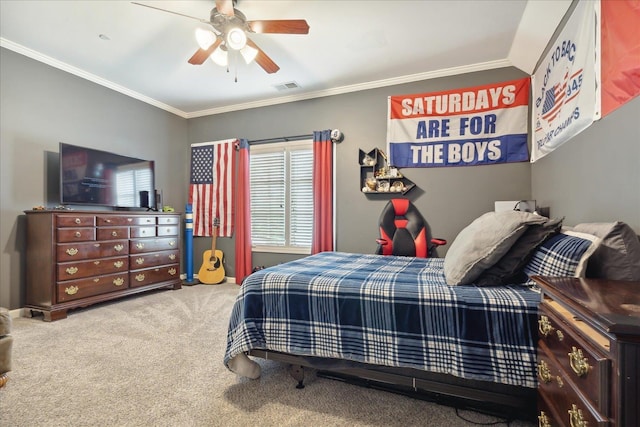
x=483 y=242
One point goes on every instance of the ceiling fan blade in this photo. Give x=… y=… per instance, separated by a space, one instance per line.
x=201 y=55
x=225 y=7
x=204 y=21
x=280 y=26
x=263 y=60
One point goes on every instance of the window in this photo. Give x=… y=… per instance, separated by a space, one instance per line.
x=282 y=197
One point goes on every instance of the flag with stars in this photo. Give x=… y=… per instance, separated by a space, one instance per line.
x=211 y=187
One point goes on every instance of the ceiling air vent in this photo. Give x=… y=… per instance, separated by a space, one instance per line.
x=287 y=86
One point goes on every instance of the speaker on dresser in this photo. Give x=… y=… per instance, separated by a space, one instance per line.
x=159 y=200
x=144 y=199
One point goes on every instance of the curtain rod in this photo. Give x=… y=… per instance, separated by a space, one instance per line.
x=280 y=139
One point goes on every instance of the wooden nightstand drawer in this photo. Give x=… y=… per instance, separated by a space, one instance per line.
x=587 y=367
x=167 y=230
x=564 y=399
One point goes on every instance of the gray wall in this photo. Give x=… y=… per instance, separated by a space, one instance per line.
x=596 y=175
x=449 y=198
x=42 y=106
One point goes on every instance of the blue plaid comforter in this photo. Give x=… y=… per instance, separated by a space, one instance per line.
x=386 y=310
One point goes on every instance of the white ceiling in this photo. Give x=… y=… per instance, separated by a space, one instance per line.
x=351 y=45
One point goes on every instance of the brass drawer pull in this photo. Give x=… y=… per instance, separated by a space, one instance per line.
x=129 y=219
x=96 y=262
x=544 y=326
x=78 y=221
x=118 y=264
x=139 y=245
x=575 y=417
x=139 y=261
x=560 y=335
x=140 y=277
x=78 y=234
x=118 y=248
x=72 y=270
x=118 y=281
x=544 y=372
x=172 y=257
x=172 y=271
x=71 y=251
x=543 y=420
x=108 y=221
x=171 y=243
x=71 y=290
x=114 y=233
x=578 y=362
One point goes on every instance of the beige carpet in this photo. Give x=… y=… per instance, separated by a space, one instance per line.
x=156 y=360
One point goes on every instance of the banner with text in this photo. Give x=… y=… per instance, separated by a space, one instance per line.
x=565 y=86
x=472 y=126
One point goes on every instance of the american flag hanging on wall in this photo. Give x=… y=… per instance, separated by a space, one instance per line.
x=211 y=187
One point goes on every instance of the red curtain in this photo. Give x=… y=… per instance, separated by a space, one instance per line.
x=620 y=59
x=322 y=239
x=243 y=214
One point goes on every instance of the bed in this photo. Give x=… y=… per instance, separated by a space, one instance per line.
x=452 y=329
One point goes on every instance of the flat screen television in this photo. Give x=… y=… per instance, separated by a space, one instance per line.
x=101 y=178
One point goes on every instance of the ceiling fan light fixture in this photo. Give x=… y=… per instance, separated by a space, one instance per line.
x=205 y=38
x=236 y=38
x=220 y=56
x=249 y=53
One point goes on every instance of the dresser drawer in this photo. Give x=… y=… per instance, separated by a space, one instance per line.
x=153 y=259
x=167 y=230
x=77 y=289
x=76 y=234
x=75 y=221
x=587 y=367
x=111 y=233
x=77 y=251
x=113 y=220
x=143 y=231
x=153 y=245
x=154 y=275
x=168 y=220
x=144 y=220
x=98 y=267
x=569 y=405
x=547 y=417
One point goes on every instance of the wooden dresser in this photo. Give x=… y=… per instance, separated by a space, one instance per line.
x=78 y=258
x=588 y=353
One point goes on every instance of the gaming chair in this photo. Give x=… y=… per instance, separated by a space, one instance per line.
x=403 y=231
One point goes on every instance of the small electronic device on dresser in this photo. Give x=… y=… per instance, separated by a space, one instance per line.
x=588 y=352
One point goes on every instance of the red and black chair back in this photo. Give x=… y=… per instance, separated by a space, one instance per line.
x=403 y=231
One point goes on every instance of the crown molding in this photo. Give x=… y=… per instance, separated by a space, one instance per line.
x=491 y=65
x=87 y=76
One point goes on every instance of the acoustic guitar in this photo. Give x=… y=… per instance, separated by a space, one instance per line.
x=212 y=270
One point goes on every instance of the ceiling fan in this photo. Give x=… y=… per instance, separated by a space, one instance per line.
x=229 y=33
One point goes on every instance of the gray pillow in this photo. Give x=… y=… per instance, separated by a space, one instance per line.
x=509 y=268
x=618 y=256
x=483 y=242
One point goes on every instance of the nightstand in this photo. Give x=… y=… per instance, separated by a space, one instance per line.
x=588 y=352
